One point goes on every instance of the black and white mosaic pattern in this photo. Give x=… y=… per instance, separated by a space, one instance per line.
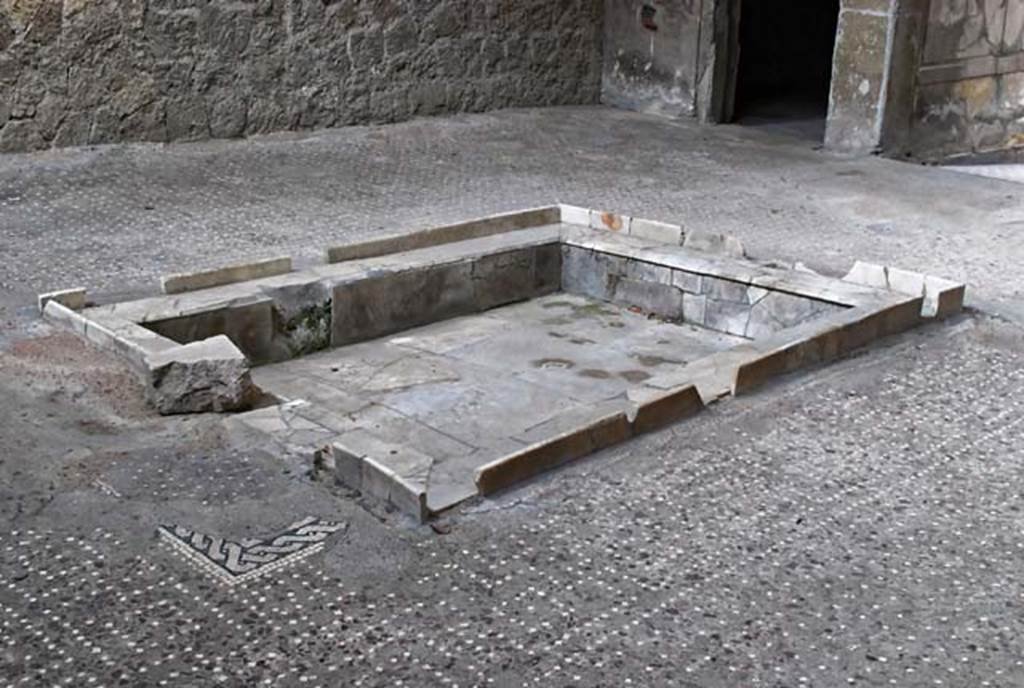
x=237 y=562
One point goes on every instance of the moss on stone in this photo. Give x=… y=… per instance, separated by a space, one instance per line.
x=309 y=330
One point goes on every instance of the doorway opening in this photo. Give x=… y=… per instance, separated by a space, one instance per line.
x=785 y=65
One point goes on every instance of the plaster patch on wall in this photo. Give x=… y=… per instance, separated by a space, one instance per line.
x=650 y=55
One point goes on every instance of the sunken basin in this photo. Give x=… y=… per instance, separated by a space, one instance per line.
x=426 y=369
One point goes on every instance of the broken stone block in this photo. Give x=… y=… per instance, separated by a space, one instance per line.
x=211 y=375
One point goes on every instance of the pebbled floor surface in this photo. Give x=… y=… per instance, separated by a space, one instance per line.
x=857 y=525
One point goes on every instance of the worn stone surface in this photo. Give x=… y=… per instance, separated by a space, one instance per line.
x=504 y=278
x=659 y=231
x=396 y=474
x=777 y=311
x=975 y=115
x=74 y=73
x=534 y=374
x=662 y=300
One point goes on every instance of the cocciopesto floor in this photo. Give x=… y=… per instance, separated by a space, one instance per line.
x=860 y=525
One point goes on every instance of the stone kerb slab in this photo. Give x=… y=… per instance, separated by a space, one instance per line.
x=193 y=281
x=550 y=453
x=75 y=299
x=824 y=341
x=914 y=297
x=655 y=409
x=662 y=232
x=942 y=297
x=645 y=411
x=100 y=334
x=437 y=236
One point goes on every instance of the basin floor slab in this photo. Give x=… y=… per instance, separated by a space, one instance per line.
x=470 y=389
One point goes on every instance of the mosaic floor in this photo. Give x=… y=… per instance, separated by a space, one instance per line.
x=861 y=527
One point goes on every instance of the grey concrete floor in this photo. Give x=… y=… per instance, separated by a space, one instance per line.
x=856 y=525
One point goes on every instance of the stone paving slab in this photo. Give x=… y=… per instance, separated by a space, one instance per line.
x=517 y=367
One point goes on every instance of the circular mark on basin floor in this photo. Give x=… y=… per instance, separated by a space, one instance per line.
x=653 y=360
x=555 y=363
x=634 y=375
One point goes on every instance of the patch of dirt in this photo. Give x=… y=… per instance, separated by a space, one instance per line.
x=63 y=368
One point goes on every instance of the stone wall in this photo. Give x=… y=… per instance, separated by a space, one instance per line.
x=76 y=72
x=970 y=94
x=650 y=55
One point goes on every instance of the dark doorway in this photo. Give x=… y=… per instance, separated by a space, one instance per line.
x=785 y=64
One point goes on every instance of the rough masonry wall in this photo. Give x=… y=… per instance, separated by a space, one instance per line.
x=650 y=55
x=970 y=95
x=76 y=72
